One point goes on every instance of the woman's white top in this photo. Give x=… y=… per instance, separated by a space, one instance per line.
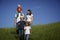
x=29 y=17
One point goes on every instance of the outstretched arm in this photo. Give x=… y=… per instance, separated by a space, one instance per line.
x=15 y=21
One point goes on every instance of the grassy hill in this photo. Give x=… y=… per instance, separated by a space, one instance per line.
x=39 y=32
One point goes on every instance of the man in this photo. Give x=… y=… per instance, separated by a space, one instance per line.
x=17 y=17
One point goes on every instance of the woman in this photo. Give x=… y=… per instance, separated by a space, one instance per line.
x=29 y=17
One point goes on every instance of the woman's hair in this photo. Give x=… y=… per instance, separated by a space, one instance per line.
x=29 y=11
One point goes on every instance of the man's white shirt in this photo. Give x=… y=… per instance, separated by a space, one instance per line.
x=18 y=18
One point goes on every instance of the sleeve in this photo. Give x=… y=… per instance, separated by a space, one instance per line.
x=15 y=15
x=31 y=14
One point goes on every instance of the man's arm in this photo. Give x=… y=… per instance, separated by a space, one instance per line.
x=15 y=21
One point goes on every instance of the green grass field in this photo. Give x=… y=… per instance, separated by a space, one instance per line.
x=38 y=32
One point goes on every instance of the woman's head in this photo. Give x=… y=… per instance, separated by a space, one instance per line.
x=29 y=12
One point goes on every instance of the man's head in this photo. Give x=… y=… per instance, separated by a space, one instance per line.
x=19 y=9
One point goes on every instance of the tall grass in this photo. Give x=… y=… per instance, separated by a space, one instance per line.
x=38 y=32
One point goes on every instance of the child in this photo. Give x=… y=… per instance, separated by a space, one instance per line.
x=21 y=25
x=29 y=17
x=27 y=31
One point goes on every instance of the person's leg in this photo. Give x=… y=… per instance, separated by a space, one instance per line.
x=23 y=30
x=27 y=36
x=22 y=34
x=17 y=28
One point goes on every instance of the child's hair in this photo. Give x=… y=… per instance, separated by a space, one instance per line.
x=29 y=11
x=26 y=23
x=22 y=17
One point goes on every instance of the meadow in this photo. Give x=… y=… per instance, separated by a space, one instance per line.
x=39 y=32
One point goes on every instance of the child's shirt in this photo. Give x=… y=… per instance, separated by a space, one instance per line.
x=29 y=17
x=27 y=30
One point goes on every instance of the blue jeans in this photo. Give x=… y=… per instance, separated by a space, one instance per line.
x=27 y=36
x=17 y=28
x=20 y=29
x=21 y=34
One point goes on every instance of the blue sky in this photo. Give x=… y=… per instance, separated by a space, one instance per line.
x=44 y=11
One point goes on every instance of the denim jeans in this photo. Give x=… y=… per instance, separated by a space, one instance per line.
x=27 y=36
x=16 y=28
x=20 y=31
x=21 y=34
